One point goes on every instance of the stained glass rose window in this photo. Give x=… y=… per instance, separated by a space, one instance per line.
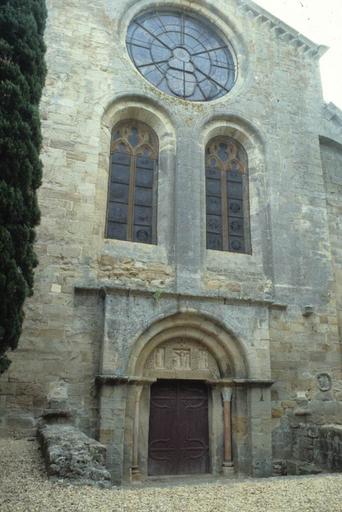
x=181 y=55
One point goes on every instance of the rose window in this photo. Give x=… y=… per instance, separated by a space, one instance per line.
x=181 y=55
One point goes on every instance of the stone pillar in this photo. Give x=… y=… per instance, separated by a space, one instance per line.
x=113 y=398
x=260 y=431
x=108 y=357
x=228 y=465
x=188 y=222
x=135 y=448
x=58 y=410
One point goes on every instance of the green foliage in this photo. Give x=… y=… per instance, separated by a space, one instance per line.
x=22 y=76
x=157 y=295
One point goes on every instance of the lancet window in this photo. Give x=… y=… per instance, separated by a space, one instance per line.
x=227 y=202
x=132 y=194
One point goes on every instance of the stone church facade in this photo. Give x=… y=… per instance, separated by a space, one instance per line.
x=189 y=291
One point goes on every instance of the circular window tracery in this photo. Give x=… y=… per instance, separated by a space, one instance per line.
x=181 y=55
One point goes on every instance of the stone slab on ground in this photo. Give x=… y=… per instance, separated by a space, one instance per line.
x=71 y=455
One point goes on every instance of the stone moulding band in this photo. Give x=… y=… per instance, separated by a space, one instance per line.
x=108 y=290
x=51 y=414
x=115 y=380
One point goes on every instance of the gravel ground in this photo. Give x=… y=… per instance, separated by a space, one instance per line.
x=25 y=488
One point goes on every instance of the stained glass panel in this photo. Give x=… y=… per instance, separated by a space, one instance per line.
x=227 y=196
x=181 y=55
x=131 y=211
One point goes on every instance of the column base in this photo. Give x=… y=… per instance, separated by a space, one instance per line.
x=135 y=474
x=228 y=469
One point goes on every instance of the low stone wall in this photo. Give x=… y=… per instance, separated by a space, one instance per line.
x=312 y=449
x=330 y=439
x=71 y=455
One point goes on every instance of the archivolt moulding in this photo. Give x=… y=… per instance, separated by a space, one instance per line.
x=234 y=126
x=142 y=109
x=224 y=347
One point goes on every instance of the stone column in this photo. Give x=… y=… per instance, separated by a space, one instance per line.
x=188 y=221
x=113 y=398
x=228 y=465
x=136 y=424
x=108 y=356
x=260 y=426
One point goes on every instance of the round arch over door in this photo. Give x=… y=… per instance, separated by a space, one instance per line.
x=228 y=352
x=190 y=346
x=183 y=363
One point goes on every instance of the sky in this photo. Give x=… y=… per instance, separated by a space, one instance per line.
x=320 y=21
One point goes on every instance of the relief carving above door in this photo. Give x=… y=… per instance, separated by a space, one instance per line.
x=182 y=357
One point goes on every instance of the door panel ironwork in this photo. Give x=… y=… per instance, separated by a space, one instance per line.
x=179 y=432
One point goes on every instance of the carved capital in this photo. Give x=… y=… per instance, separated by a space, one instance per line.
x=138 y=390
x=227 y=394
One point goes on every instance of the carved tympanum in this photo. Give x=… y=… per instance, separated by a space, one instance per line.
x=159 y=358
x=181 y=359
x=184 y=356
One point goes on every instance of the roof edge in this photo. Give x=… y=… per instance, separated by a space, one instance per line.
x=333 y=115
x=282 y=30
x=332 y=112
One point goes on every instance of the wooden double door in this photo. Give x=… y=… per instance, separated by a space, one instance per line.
x=178 y=430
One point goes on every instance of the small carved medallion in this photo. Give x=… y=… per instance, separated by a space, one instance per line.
x=324 y=381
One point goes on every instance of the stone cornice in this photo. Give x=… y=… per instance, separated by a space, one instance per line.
x=115 y=380
x=332 y=113
x=158 y=294
x=282 y=30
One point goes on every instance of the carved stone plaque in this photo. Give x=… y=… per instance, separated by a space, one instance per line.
x=203 y=360
x=181 y=359
x=159 y=358
x=182 y=356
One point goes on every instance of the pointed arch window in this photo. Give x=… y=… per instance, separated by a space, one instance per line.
x=132 y=194
x=227 y=196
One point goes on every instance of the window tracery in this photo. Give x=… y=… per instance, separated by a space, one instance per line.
x=181 y=55
x=132 y=191
x=227 y=197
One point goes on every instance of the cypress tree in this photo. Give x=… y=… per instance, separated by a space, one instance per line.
x=22 y=76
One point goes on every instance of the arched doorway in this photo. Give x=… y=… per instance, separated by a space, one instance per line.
x=184 y=368
x=189 y=346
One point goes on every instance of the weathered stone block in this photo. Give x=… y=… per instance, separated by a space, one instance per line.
x=331 y=447
x=71 y=455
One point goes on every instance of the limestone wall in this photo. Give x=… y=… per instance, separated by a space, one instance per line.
x=331 y=154
x=304 y=347
x=274 y=110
